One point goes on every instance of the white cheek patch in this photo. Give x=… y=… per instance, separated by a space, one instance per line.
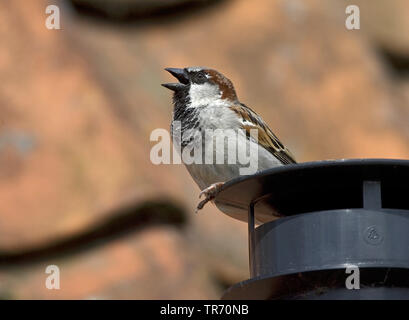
x=203 y=94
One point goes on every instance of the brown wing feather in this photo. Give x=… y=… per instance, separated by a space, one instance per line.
x=266 y=137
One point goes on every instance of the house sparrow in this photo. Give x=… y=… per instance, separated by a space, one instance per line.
x=205 y=100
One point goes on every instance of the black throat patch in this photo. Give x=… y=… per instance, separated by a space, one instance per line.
x=188 y=117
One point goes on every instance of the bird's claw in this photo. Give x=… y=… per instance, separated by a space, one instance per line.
x=210 y=193
x=202 y=193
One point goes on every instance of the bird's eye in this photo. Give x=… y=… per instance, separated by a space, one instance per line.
x=201 y=77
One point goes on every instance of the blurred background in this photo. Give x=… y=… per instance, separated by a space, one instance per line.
x=77 y=106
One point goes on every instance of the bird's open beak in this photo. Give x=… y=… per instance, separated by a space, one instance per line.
x=179 y=74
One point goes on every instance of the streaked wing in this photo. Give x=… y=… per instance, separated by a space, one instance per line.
x=266 y=138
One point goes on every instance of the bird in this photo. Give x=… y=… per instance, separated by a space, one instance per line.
x=206 y=106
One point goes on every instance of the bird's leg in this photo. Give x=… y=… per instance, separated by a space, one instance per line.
x=210 y=193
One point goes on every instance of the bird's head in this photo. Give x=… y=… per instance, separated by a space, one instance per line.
x=200 y=86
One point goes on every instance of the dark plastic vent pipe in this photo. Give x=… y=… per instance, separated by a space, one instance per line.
x=317 y=219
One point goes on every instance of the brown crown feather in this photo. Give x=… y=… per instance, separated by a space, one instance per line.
x=225 y=85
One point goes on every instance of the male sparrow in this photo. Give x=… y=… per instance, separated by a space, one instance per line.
x=204 y=101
